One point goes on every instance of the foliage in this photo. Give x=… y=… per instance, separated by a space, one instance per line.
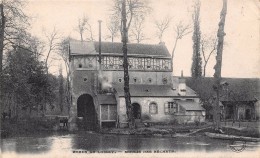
x=12 y=22
x=196 y=68
x=26 y=84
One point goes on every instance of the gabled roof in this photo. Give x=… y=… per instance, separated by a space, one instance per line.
x=238 y=89
x=190 y=105
x=83 y=48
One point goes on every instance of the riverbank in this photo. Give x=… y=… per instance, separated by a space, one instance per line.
x=11 y=128
x=183 y=131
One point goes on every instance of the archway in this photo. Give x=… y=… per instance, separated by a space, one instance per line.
x=136 y=111
x=86 y=112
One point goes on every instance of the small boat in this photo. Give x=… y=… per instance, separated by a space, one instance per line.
x=231 y=137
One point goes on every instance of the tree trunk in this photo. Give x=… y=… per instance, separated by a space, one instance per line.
x=129 y=108
x=217 y=67
x=204 y=69
x=1 y=51
x=175 y=44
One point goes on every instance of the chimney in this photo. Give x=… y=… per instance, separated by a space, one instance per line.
x=182 y=85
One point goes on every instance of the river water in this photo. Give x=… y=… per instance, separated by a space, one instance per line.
x=90 y=142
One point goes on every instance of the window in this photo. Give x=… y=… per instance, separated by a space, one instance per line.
x=120 y=80
x=135 y=80
x=85 y=79
x=120 y=63
x=164 y=80
x=130 y=63
x=105 y=62
x=170 y=108
x=116 y=62
x=166 y=64
x=111 y=62
x=80 y=65
x=153 y=109
x=148 y=63
x=149 y=80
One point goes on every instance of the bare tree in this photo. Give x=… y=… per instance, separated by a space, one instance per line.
x=137 y=29
x=52 y=44
x=208 y=47
x=218 y=66
x=63 y=52
x=181 y=30
x=113 y=26
x=127 y=10
x=134 y=8
x=162 y=26
x=84 y=25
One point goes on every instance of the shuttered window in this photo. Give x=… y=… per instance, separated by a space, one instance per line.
x=170 y=108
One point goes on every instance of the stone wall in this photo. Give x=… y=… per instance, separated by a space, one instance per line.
x=144 y=102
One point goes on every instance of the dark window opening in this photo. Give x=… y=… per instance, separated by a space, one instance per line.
x=149 y=80
x=85 y=79
x=80 y=65
x=165 y=80
x=136 y=111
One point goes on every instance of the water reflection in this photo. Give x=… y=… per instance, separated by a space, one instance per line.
x=92 y=142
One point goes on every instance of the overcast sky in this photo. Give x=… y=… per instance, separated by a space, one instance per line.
x=241 y=56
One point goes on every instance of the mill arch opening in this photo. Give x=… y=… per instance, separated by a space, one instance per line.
x=86 y=112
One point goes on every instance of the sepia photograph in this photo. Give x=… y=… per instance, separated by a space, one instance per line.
x=130 y=78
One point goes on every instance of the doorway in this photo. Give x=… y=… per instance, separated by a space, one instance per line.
x=86 y=112
x=248 y=114
x=136 y=111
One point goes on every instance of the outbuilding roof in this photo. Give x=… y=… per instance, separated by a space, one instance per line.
x=84 y=48
x=236 y=89
x=106 y=99
x=190 y=105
